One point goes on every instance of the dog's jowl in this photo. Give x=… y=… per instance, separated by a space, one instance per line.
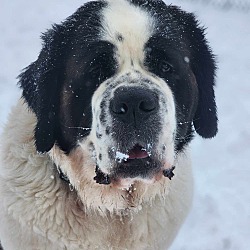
x=95 y=154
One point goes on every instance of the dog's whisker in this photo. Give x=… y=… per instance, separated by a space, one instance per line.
x=82 y=128
x=185 y=122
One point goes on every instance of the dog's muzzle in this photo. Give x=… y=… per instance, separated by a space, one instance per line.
x=135 y=117
x=136 y=127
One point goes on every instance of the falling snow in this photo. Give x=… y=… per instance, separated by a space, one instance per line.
x=121 y=156
x=220 y=217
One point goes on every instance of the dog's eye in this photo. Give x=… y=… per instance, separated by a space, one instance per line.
x=165 y=67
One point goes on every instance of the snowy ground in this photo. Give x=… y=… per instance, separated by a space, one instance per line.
x=220 y=218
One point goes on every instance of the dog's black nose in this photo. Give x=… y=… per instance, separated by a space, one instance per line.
x=134 y=104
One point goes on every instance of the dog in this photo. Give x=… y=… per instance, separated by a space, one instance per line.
x=95 y=155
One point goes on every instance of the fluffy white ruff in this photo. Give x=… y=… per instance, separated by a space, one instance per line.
x=38 y=210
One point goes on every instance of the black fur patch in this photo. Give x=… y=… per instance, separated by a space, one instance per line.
x=119 y=37
x=179 y=37
x=108 y=130
x=59 y=85
x=100 y=157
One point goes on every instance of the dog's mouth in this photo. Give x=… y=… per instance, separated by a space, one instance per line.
x=138 y=152
x=136 y=163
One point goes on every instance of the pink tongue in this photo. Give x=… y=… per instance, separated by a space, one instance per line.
x=137 y=153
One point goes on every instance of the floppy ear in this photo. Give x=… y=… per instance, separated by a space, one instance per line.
x=40 y=83
x=203 y=65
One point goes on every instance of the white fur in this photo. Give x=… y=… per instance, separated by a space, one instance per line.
x=133 y=24
x=40 y=212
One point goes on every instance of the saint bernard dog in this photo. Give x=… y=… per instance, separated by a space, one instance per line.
x=95 y=155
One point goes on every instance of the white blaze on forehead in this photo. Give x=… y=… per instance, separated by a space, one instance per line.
x=134 y=26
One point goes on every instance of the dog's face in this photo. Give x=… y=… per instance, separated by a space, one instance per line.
x=125 y=81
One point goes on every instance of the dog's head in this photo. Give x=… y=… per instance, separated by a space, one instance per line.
x=125 y=80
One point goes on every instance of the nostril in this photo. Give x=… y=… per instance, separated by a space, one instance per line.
x=133 y=104
x=147 y=106
x=120 y=108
